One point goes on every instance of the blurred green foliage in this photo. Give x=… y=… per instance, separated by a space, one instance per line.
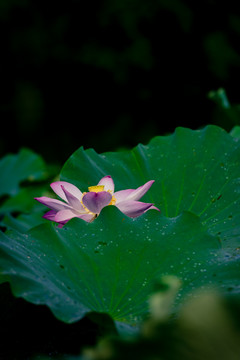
x=204 y=329
x=225 y=114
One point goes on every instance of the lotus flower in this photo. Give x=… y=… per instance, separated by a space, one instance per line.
x=88 y=205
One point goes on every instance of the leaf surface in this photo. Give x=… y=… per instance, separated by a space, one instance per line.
x=108 y=265
x=26 y=165
x=196 y=171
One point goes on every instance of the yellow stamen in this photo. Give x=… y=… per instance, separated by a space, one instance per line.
x=96 y=188
x=113 y=201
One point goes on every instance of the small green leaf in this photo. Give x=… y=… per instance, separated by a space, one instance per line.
x=235 y=132
x=14 y=169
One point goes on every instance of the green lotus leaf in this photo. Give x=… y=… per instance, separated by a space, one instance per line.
x=108 y=265
x=24 y=176
x=26 y=165
x=196 y=171
x=23 y=222
x=23 y=203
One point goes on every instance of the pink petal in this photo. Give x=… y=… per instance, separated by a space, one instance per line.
x=122 y=195
x=134 y=208
x=87 y=217
x=108 y=183
x=63 y=216
x=72 y=200
x=96 y=201
x=53 y=204
x=154 y=208
x=140 y=191
x=72 y=189
x=50 y=215
x=133 y=194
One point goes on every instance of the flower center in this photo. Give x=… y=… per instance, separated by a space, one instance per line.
x=113 y=201
x=96 y=189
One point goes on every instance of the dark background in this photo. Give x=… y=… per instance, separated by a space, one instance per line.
x=112 y=73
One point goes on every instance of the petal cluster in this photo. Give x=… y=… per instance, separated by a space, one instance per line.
x=88 y=205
